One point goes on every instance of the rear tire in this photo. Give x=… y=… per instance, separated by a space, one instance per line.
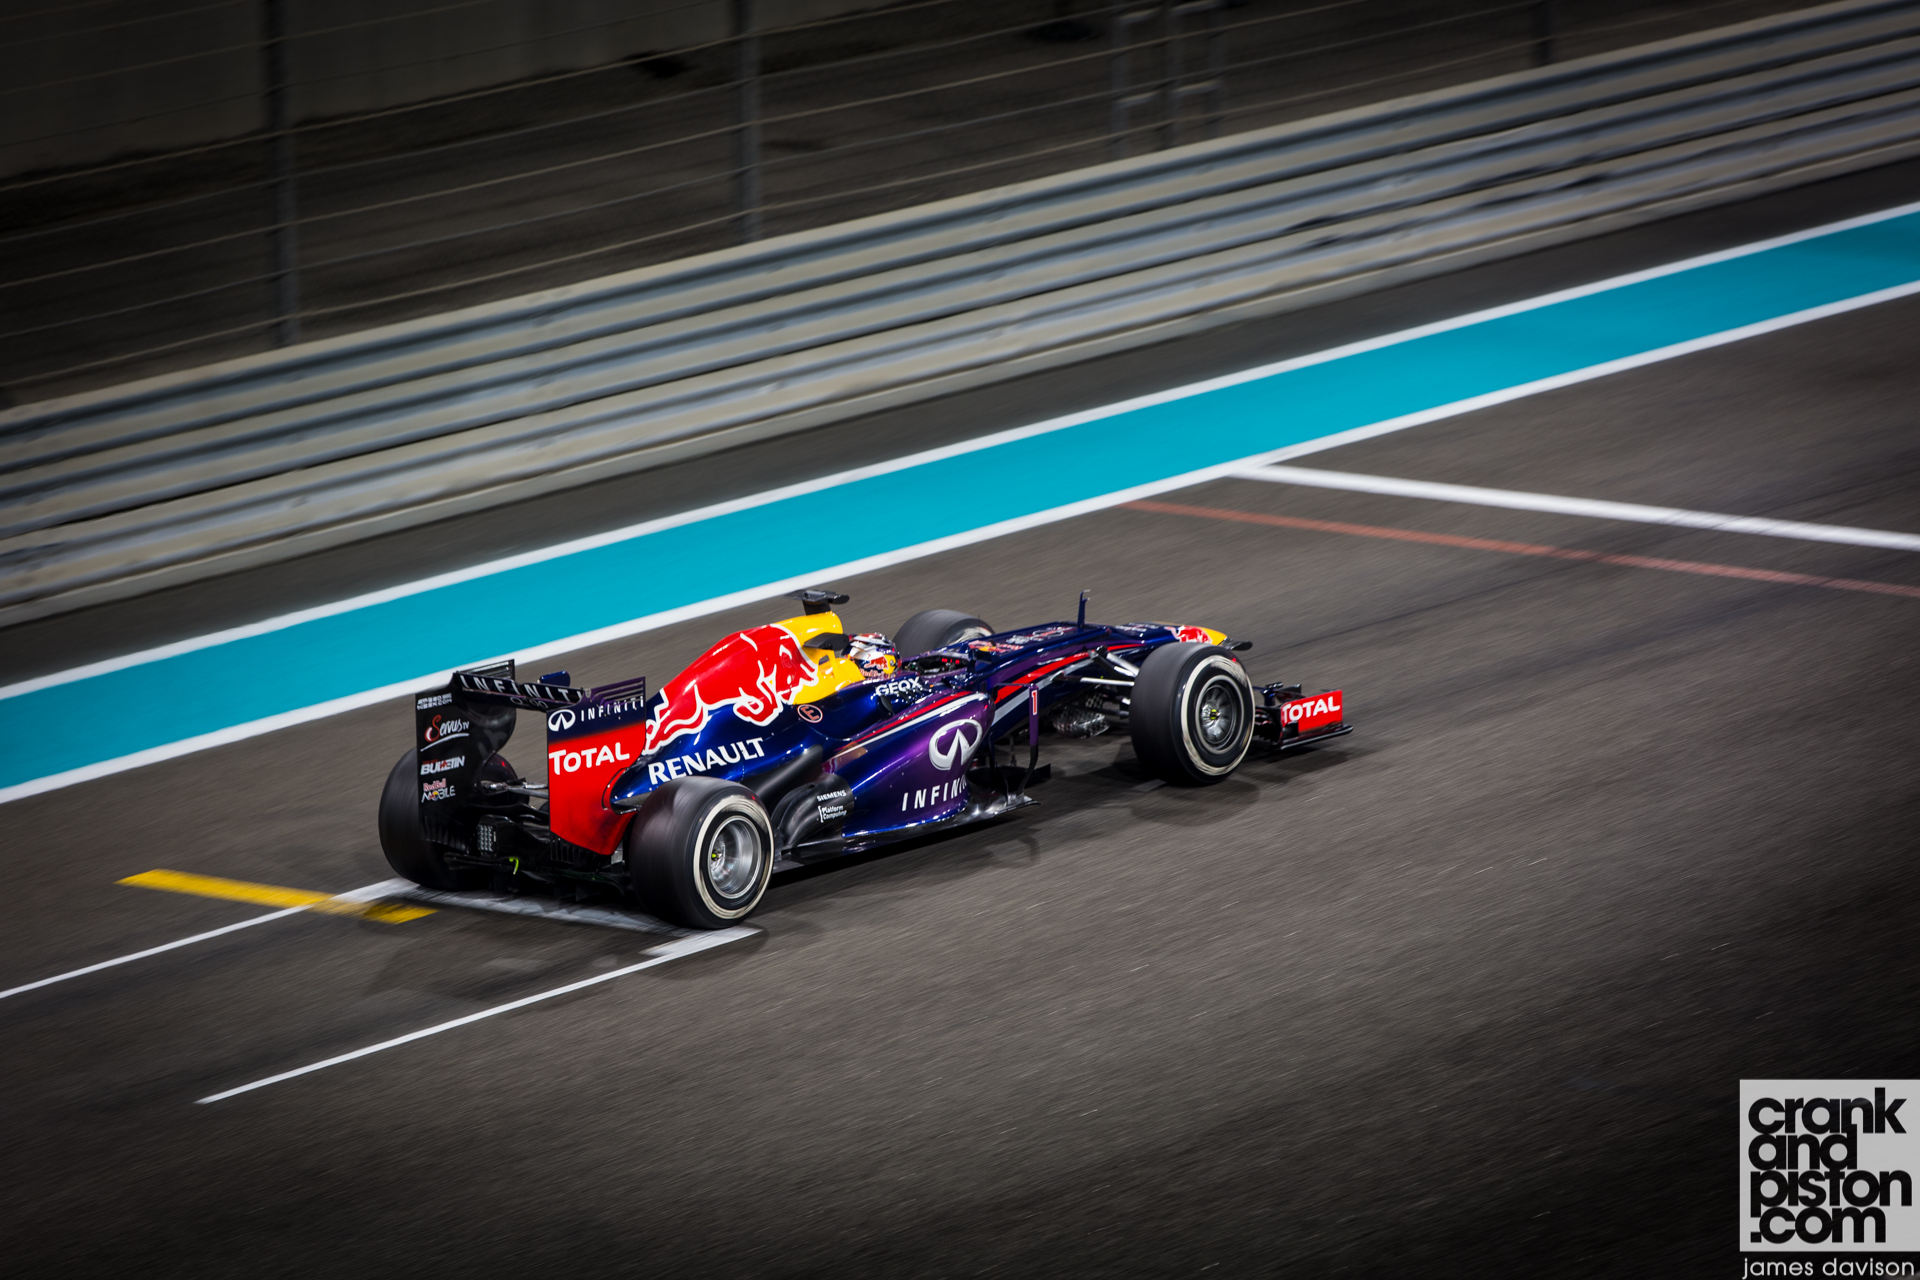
x=408 y=850
x=1192 y=714
x=932 y=629
x=700 y=853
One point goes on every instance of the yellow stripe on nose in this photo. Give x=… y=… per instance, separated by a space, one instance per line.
x=271 y=895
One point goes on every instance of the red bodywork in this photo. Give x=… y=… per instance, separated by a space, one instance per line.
x=1314 y=713
x=756 y=672
x=579 y=771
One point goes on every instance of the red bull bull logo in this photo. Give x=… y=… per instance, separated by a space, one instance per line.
x=1192 y=635
x=756 y=672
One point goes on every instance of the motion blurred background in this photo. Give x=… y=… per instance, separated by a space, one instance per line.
x=1628 y=814
x=185 y=181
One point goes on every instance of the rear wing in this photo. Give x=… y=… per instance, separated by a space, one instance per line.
x=496 y=685
x=461 y=725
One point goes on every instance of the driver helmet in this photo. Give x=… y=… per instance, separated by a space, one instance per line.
x=875 y=653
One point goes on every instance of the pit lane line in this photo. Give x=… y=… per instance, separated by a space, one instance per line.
x=366 y=893
x=1520 y=500
x=350 y=903
x=538 y=908
x=1701 y=567
x=273 y=895
x=234 y=684
x=658 y=956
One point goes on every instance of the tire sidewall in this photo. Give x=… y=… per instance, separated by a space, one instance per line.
x=667 y=848
x=712 y=818
x=1207 y=668
x=1165 y=709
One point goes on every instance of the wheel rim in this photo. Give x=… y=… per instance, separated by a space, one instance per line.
x=1218 y=714
x=734 y=857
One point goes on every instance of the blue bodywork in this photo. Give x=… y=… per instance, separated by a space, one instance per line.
x=913 y=748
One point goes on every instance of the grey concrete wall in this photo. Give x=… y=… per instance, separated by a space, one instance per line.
x=89 y=82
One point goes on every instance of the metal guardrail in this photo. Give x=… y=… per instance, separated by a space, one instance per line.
x=120 y=491
x=380 y=195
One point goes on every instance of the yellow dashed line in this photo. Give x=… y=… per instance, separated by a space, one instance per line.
x=269 y=895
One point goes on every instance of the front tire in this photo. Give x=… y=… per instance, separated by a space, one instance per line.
x=1192 y=714
x=700 y=853
x=932 y=629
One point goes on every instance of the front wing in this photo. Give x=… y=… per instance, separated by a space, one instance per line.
x=1288 y=718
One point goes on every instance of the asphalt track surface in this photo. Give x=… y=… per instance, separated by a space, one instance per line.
x=1467 y=993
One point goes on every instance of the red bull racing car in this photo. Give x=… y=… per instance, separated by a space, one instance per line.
x=795 y=741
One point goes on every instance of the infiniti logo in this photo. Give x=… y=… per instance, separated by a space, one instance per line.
x=962 y=736
x=560 y=721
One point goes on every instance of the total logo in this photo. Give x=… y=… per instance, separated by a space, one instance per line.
x=1309 y=713
x=715 y=758
x=430 y=767
x=953 y=743
x=564 y=761
x=921 y=797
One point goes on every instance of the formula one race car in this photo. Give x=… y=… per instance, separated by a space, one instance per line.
x=792 y=742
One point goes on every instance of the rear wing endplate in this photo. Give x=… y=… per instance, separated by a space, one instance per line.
x=462 y=725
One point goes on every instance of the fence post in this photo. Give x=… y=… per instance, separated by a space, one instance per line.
x=283 y=235
x=1211 y=89
x=1170 y=73
x=746 y=153
x=1123 y=99
x=1543 y=32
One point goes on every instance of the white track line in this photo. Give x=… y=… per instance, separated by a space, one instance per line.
x=1520 y=500
x=151 y=951
x=661 y=955
x=366 y=893
x=542 y=908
